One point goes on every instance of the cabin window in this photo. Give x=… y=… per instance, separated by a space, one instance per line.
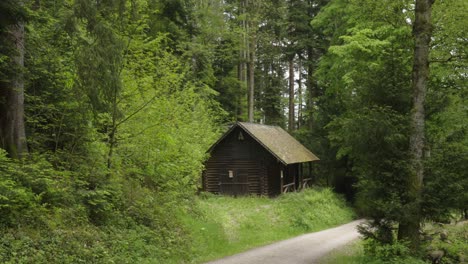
x=241 y=136
x=231 y=174
x=281 y=173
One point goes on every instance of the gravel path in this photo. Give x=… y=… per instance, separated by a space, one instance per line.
x=308 y=248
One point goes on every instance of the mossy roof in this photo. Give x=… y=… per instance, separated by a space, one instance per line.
x=277 y=141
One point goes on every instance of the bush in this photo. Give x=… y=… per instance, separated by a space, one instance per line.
x=17 y=202
x=386 y=251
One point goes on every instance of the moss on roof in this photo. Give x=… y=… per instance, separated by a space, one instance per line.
x=277 y=141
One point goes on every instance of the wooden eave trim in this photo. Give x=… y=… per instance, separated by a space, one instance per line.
x=239 y=124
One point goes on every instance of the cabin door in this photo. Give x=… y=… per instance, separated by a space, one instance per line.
x=234 y=182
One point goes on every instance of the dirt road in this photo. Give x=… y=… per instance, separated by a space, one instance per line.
x=308 y=248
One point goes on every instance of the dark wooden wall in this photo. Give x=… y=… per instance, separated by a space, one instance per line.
x=255 y=170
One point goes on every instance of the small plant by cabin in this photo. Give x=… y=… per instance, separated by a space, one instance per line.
x=257 y=159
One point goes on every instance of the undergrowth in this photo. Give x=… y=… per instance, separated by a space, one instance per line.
x=355 y=253
x=452 y=239
x=50 y=215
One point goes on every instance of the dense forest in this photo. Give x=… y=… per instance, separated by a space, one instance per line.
x=107 y=108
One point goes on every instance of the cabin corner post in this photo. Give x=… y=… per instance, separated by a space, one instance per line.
x=281 y=178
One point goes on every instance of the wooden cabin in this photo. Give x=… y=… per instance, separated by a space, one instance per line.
x=256 y=159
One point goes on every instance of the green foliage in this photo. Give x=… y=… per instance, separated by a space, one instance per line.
x=377 y=158
x=49 y=215
x=447 y=114
x=29 y=189
x=364 y=80
x=15 y=200
x=88 y=244
x=101 y=89
x=170 y=121
x=392 y=253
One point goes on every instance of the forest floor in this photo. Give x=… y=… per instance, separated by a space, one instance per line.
x=308 y=248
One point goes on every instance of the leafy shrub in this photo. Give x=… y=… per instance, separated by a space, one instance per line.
x=16 y=201
x=386 y=251
x=392 y=253
x=30 y=188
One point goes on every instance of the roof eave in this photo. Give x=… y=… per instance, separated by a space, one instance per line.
x=239 y=124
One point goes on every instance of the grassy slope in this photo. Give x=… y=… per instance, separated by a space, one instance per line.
x=351 y=254
x=222 y=226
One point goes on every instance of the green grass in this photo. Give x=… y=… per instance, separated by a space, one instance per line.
x=222 y=226
x=352 y=253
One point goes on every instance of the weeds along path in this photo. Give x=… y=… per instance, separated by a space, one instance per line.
x=308 y=248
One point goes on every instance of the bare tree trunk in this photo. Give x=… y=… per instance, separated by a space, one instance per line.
x=422 y=31
x=241 y=76
x=251 y=81
x=242 y=68
x=299 y=93
x=12 y=128
x=251 y=45
x=311 y=88
x=291 y=95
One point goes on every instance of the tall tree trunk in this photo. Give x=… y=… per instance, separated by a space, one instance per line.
x=243 y=58
x=12 y=128
x=241 y=76
x=251 y=81
x=422 y=31
x=299 y=93
x=252 y=43
x=310 y=87
x=291 y=95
